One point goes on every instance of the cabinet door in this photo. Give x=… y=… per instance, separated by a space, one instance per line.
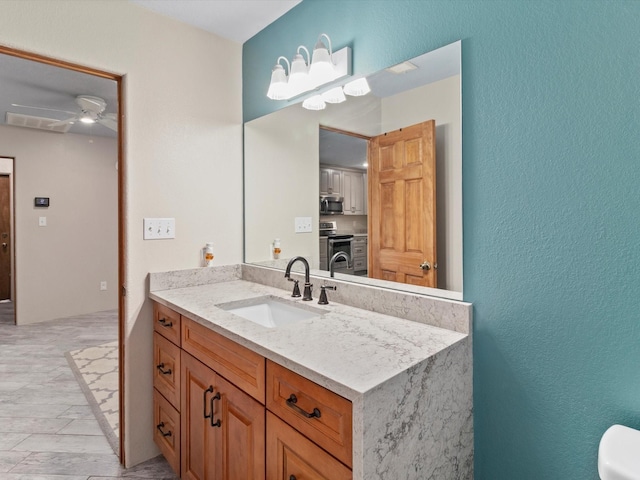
x=242 y=431
x=354 y=196
x=290 y=455
x=199 y=439
x=330 y=181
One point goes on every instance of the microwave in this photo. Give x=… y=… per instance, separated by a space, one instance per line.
x=330 y=205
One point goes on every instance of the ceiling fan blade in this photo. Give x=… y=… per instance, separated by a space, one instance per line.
x=63 y=122
x=42 y=108
x=108 y=122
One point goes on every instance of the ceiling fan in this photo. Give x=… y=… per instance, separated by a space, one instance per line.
x=91 y=111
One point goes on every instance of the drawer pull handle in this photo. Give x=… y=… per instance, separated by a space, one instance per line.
x=217 y=422
x=204 y=402
x=292 y=400
x=160 y=426
x=164 y=323
x=162 y=370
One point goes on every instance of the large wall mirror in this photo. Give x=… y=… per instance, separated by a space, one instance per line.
x=294 y=156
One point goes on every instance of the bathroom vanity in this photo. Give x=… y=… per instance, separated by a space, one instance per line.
x=340 y=393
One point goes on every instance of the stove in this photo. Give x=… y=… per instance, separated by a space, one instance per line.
x=330 y=243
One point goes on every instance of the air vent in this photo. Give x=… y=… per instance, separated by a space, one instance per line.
x=41 y=123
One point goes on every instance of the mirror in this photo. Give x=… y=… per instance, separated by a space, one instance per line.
x=283 y=158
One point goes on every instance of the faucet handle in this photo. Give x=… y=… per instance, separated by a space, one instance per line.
x=296 y=288
x=323 y=294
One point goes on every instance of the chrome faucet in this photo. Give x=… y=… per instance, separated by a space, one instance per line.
x=337 y=255
x=307 y=284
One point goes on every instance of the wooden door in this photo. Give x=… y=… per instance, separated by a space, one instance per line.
x=5 y=237
x=198 y=436
x=402 y=205
x=241 y=455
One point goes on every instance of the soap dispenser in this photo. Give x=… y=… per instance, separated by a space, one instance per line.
x=276 y=249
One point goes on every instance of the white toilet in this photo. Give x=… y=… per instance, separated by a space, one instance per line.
x=619 y=454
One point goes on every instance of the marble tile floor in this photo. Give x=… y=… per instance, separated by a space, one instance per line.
x=47 y=429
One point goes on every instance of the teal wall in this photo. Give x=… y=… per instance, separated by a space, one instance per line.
x=551 y=182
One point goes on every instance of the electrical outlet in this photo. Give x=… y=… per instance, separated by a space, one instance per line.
x=103 y=285
x=159 y=228
x=303 y=224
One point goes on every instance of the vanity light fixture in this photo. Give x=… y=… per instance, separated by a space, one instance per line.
x=357 y=88
x=278 y=88
x=299 y=75
x=335 y=95
x=325 y=67
x=315 y=102
x=322 y=67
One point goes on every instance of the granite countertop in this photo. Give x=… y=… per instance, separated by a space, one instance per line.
x=347 y=349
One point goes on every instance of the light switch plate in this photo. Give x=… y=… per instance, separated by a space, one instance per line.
x=303 y=224
x=159 y=228
x=42 y=221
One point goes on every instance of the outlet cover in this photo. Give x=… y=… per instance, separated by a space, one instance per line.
x=303 y=224
x=159 y=228
x=103 y=285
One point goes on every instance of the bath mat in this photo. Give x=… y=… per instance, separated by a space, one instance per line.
x=96 y=369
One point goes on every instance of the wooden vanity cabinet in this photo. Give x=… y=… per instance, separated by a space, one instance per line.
x=223 y=412
x=292 y=455
x=166 y=383
x=223 y=428
x=319 y=414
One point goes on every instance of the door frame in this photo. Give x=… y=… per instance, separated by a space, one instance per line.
x=119 y=79
x=12 y=226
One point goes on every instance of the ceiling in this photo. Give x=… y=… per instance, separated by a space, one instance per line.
x=53 y=90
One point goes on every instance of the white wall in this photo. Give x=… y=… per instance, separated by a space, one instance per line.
x=60 y=266
x=183 y=148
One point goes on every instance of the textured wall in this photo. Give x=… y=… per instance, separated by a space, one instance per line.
x=551 y=170
x=60 y=266
x=182 y=142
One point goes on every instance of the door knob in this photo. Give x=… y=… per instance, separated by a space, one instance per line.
x=425 y=265
x=4 y=246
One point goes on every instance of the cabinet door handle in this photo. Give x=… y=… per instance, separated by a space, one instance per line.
x=164 y=323
x=204 y=402
x=160 y=426
x=162 y=370
x=292 y=400
x=217 y=423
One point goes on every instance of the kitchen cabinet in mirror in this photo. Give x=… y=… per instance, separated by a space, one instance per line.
x=283 y=167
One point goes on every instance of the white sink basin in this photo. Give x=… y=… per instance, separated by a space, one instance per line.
x=270 y=311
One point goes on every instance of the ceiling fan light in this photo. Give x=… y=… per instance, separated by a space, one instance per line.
x=335 y=95
x=314 y=103
x=357 y=87
x=87 y=119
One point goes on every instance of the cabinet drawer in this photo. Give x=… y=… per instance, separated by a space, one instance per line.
x=234 y=362
x=323 y=416
x=359 y=264
x=166 y=322
x=359 y=250
x=166 y=433
x=291 y=455
x=166 y=372
x=360 y=241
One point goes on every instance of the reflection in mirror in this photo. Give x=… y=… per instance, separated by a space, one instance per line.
x=290 y=155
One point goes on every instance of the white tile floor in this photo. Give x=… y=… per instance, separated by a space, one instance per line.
x=47 y=429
